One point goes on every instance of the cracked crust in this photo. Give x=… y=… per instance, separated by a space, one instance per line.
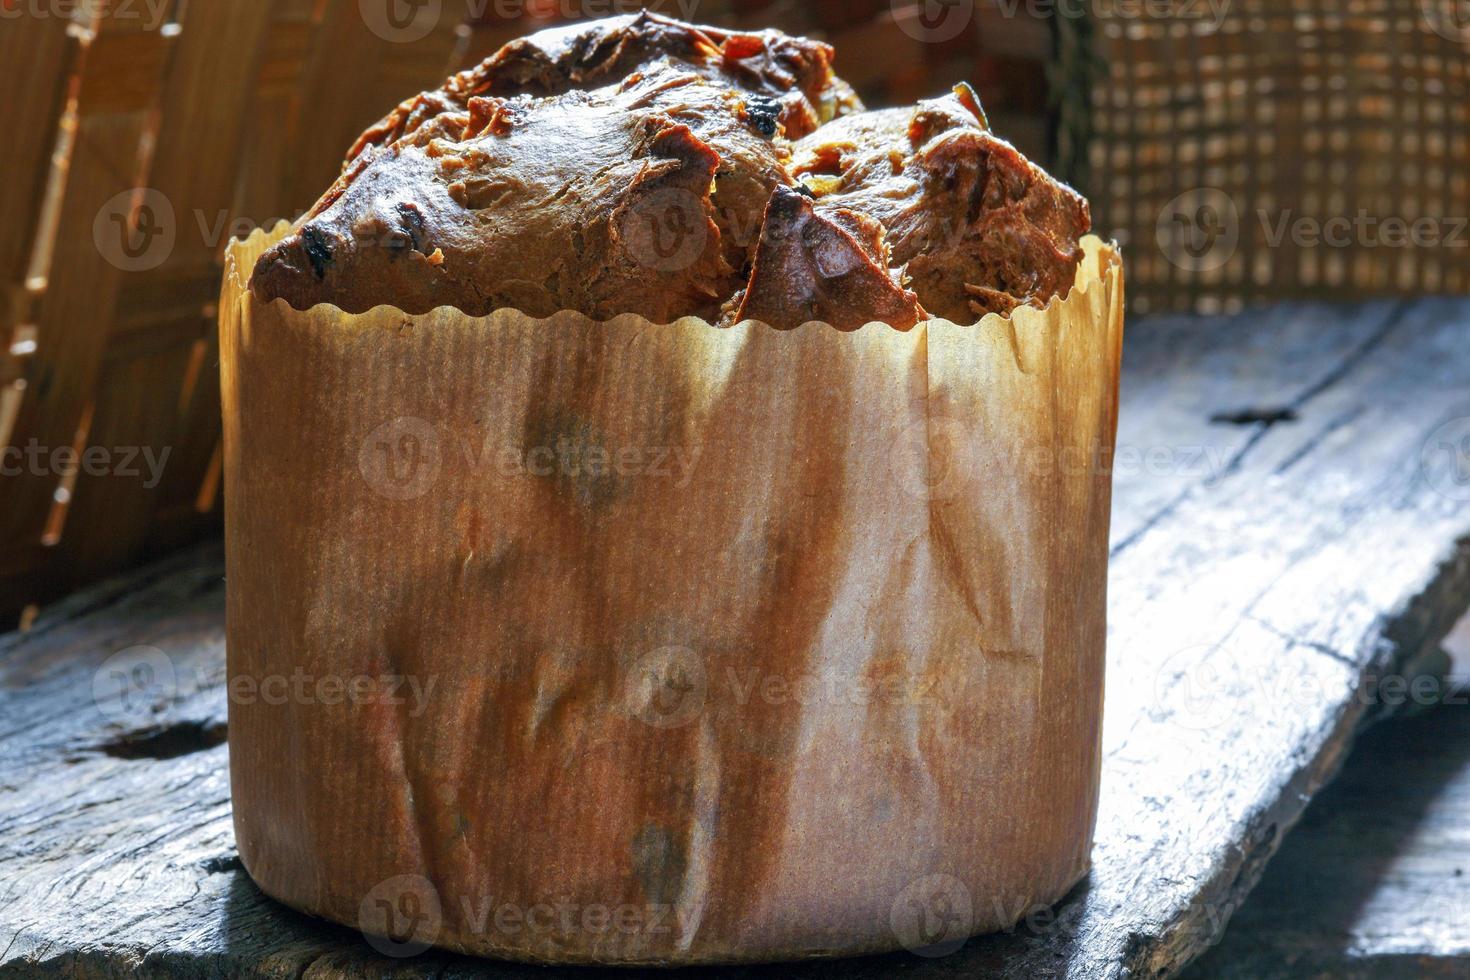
x=808 y=266
x=643 y=165
x=793 y=74
x=978 y=227
x=569 y=202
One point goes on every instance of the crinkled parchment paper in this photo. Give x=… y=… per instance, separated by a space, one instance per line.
x=631 y=643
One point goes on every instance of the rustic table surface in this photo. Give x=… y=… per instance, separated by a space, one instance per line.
x=1374 y=883
x=1291 y=544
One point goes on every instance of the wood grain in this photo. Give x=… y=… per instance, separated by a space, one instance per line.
x=1328 y=550
x=1375 y=880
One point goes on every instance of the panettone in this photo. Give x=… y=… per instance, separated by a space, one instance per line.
x=643 y=165
x=628 y=629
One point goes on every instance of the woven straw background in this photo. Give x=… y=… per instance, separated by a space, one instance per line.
x=1214 y=139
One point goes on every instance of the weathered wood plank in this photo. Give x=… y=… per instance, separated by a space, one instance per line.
x=1200 y=393
x=1244 y=622
x=1250 y=606
x=1375 y=880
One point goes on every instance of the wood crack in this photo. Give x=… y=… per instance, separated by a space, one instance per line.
x=1293 y=642
x=1334 y=424
x=1264 y=420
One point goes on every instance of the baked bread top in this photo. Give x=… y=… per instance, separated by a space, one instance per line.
x=643 y=165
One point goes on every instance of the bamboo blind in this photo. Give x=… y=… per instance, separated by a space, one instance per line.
x=151 y=131
x=147 y=128
x=1260 y=149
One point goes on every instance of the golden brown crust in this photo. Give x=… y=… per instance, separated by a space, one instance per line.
x=642 y=165
x=793 y=71
x=573 y=202
x=810 y=267
x=979 y=227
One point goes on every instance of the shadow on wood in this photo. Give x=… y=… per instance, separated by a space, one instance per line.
x=1375 y=880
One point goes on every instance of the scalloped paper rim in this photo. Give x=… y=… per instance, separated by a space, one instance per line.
x=1099 y=260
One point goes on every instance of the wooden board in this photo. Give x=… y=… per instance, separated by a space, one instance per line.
x=1265 y=566
x=1374 y=883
